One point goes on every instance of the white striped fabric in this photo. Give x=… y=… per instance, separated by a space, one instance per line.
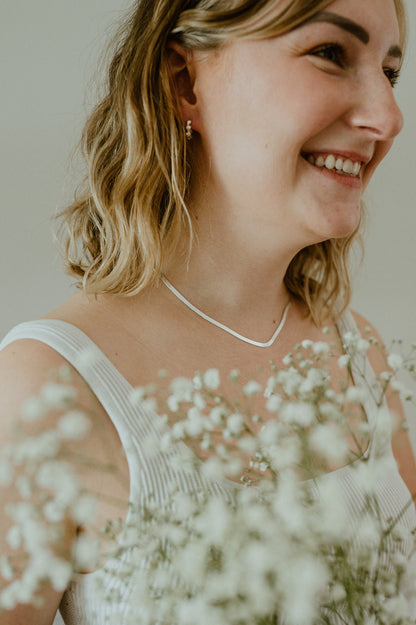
x=150 y=476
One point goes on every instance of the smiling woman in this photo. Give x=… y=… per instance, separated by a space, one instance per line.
x=225 y=169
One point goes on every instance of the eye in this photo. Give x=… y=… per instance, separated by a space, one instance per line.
x=332 y=52
x=392 y=75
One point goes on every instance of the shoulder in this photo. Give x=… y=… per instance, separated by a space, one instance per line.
x=26 y=364
x=401 y=444
x=377 y=351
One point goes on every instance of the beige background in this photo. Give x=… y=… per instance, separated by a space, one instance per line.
x=48 y=51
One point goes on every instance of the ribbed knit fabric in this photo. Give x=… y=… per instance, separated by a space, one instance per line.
x=151 y=475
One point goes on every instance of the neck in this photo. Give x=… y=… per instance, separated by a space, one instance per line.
x=242 y=290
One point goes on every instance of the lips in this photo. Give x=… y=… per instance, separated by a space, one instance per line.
x=344 y=168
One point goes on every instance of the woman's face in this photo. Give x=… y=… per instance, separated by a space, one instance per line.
x=271 y=112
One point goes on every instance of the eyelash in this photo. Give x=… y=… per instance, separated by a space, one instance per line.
x=339 y=57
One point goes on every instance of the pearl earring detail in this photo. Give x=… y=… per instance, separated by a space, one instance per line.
x=188 y=130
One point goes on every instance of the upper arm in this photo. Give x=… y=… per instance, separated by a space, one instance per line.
x=401 y=445
x=25 y=366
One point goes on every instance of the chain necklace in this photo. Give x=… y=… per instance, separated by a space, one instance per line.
x=221 y=325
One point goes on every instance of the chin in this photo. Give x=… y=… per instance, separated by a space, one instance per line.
x=340 y=226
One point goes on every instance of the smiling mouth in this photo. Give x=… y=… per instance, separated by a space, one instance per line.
x=335 y=163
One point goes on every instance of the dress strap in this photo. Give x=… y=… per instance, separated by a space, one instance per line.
x=363 y=373
x=105 y=381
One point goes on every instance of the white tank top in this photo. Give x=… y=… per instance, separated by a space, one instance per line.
x=81 y=604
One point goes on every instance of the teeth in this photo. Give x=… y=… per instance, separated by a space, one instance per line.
x=339 y=164
x=330 y=162
x=356 y=170
x=348 y=167
x=345 y=166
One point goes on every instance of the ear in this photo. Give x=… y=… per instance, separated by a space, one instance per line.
x=182 y=77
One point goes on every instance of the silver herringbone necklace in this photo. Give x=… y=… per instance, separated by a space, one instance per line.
x=221 y=325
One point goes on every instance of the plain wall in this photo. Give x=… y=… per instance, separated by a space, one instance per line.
x=48 y=51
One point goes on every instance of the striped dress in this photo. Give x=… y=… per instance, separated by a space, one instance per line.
x=150 y=476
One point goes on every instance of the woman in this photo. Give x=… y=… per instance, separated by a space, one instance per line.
x=226 y=168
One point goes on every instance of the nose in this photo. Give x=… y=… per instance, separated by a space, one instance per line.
x=376 y=110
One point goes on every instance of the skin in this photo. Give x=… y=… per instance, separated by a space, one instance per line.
x=256 y=107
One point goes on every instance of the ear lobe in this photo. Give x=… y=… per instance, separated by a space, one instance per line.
x=180 y=67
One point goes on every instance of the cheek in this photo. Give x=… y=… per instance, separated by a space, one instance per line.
x=381 y=151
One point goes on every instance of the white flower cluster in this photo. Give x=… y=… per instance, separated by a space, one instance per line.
x=50 y=493
x=281 y=550
x=285 y=552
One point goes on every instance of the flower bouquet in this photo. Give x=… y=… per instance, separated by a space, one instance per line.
x=283 y=518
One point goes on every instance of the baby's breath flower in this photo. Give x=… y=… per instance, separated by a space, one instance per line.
x=355 y=394
x=33 y=409
x=337 y=593
x=285 y=455
x=271 y=432
x=166 y=441
x=14 y=537
x=194 y=426
x=58 y=477
x=74 y=425
x=206 y=442
x=386 y=376
x=24 y=486
x=307 y=344
x=399 y=387
x=287 y=360
x=6 y=569
x=137 y=395
x=217 y=415
x=247 y=444
x=173 y=403
x=320 y=347
x=331 y=412
x=212 y=469
x=273 y=403
x=54 y=511
x=235 y=424
x=198 y=401
x=349 y=338
x=36 y=448
x=362 y=346
x=6 y=473
x=198 y=381
x=182 y=389
x=179 y=430
x=251 y=388
x=270 y=387
x=328 y=442
x=88 y=357
x=84 y=509
x=57 y=396
x=234 y=375
x=344 y=361
x=395 y=361
x=86 y=552
x=212 y=379
x=301 y=414
x=150 y=404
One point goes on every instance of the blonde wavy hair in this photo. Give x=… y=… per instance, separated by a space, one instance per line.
x=130 y=213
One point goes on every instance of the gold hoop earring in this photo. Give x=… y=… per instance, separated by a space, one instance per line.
x=188 y=130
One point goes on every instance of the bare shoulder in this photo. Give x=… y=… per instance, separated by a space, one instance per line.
x=401 y=445
x=377 y=352
x=25 y=366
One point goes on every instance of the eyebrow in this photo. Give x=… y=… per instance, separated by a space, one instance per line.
x=343 y=22
x=352 y=27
